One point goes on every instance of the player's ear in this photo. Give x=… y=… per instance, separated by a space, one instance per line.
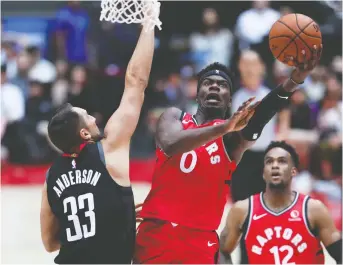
x=294 y=171
x=230 y=102
x=85 y=134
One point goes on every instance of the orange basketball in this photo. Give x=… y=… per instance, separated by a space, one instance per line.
x=291 y=34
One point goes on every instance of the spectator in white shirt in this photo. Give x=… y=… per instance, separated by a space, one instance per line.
x=12 y=105
x=214 y=44
x=42 y=70
x=254 y=24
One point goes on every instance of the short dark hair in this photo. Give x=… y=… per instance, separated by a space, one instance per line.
x=64 y=128
x=217 y=66
x=285 y=146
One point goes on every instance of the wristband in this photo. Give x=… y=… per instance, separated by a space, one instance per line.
x=296 y=82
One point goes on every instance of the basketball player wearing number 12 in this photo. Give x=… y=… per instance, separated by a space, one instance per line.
x=281 y=226
x=196 y=155
x=88 y=211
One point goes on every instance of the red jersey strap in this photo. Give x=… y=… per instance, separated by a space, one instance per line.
x=75 y=154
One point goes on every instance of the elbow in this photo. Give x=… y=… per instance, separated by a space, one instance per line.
x=135 y=79
x=225 y=249
x=50 y=247
x=224 y=245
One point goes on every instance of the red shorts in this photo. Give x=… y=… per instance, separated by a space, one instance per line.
x=161 y=242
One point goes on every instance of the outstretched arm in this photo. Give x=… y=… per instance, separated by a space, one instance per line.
x=123 y=122
x=322 y=222
x=173 y=139
x=276 y=100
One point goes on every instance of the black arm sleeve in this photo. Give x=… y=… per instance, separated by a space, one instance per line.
x=335 y=251
x=275 y=101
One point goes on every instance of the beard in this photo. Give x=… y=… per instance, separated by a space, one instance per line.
x=278 y=186
x=214 y=112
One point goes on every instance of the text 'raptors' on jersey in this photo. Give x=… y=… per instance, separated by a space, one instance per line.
x=281 y=238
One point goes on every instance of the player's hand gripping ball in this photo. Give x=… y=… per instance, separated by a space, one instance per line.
x=291 y=35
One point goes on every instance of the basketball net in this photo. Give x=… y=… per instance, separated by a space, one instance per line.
x=145 y=12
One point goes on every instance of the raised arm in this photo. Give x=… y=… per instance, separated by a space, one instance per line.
x=123 y=122
x=321 y=221
x=231 y=234
x=275 y=101
x=173 y=139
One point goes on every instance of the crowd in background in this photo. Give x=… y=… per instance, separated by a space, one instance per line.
x=84 y=63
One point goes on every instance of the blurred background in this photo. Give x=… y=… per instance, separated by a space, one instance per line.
x=56 y=52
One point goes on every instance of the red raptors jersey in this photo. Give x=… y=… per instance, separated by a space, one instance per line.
x=281 y=238
x=190 y=189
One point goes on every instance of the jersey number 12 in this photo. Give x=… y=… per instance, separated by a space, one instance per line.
x=74 y=207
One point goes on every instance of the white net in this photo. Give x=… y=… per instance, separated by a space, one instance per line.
x=131 y=11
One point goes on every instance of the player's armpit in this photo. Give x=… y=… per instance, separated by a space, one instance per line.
x=321 y=221
x=232 y=232
x=49 y=224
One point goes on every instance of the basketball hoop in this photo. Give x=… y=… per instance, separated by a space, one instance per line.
x=131 y=11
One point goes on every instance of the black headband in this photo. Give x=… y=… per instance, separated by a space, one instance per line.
x=216 y=72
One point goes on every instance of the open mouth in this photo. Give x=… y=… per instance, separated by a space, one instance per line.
x=213 y=97
x=276 y=175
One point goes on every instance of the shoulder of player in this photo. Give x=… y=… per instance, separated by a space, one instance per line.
x=315 y=205
x=315 y=209
x=170 y=114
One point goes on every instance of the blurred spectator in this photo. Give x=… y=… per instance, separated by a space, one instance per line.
x=10 y=53
x=12 y=112
x=115 y=44
x=38 y=107
x=59 y=90
x=12 y=102
x=330 y=112
x=336 y=67
x=252 y=72
x=35 y=148
x=190 y=91
x=21 y=79
x=41 y=69
x=81 y=92
x=280 y=72
x=332 y=31
x=314 y=86
x=213 y=44
x=72 y=27
x=254 y=24
x=301 y=116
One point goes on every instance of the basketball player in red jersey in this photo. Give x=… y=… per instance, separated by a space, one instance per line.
x=196 y=155
x=281 y=226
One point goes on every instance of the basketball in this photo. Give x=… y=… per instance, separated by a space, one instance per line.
x=291 y=34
